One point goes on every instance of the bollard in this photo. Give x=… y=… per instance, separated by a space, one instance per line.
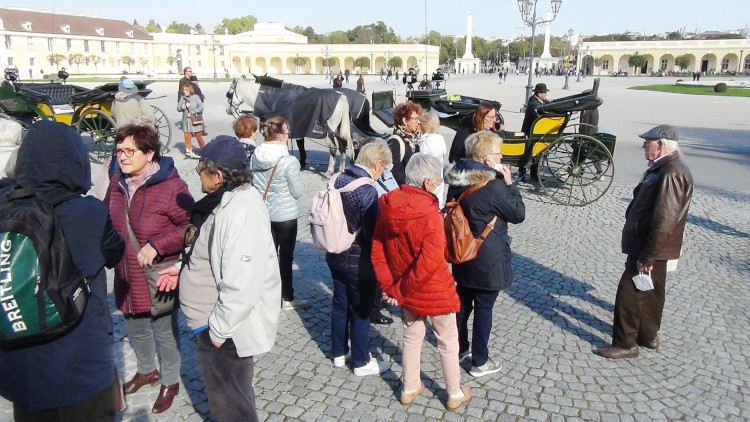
x=566 y=81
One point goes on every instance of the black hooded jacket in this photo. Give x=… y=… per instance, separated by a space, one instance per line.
x=78 y=365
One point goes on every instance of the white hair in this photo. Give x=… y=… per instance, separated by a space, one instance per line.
x=10 y=132
x=669 y=144
x=422 y=166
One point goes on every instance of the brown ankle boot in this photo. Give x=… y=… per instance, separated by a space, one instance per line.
x=139 y=380
x=166 y=396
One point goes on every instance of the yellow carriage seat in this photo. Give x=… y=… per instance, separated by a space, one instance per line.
x=546 y=129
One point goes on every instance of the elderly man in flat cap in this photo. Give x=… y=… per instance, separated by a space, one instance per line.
x=652 y=236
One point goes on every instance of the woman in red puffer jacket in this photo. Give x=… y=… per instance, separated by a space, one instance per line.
x=408 y=256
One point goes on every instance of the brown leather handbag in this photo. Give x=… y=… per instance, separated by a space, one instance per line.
x=461 y=245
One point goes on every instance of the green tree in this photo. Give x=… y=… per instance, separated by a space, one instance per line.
x=78 y=58
x=236 y=25
x=361 y=62
x=337 y=37
x=56 y=59
x=135 y=24
x=682 y=61
x=127 y=60
x=198 y=28
x=178 y=28
x=637 y=61
x=329 y=62
x=395 y=62
x=153 y=26
x=299 y=62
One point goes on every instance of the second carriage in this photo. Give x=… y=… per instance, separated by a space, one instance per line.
x=571 y=153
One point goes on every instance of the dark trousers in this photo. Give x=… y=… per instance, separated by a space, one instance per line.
x=638 y=313
x=350 y=316
x=302 y=152
x=284 y=238
x=99 y=408
x=481 y=302
x=228 y=380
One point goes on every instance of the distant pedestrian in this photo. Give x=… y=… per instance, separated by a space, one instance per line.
x=346 y=75
x=389 y=76
x=361 y=84
x=129 y=104
x=382 y=74
x=191 y=107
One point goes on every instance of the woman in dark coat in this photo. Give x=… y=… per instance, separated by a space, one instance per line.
x=71 y=377
x=484 y=118
x=147 y=191
x=480 y=280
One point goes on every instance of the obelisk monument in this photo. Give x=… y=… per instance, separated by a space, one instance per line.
x=468 y=63
x=546 y=54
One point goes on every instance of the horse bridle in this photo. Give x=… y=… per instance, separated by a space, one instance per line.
x=235 y=109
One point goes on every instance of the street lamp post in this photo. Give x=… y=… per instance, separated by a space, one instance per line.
x=529 y=17
x=578 y=66
x=325 y=52
x=567 y=70
x=215 y=44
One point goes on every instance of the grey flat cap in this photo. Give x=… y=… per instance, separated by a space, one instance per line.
x=661 y=132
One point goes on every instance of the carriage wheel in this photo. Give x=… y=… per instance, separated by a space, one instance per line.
x=100 y=128
x=164 y=127
x=576 y=170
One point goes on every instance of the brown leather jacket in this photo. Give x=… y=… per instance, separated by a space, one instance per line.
x=655 y=219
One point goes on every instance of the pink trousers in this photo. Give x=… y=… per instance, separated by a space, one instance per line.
x=446 y=332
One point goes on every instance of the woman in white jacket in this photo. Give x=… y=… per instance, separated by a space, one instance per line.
x=277 y=178
x=433 y=143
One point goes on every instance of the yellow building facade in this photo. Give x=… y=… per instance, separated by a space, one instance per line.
x=40 y=43
x=707 y=56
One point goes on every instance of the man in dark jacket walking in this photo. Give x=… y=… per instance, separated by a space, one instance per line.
x=652 y=236
x=70 y=378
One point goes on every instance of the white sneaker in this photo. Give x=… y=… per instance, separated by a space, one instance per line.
x=340 y=361
x=490 y=367
x=373 y=367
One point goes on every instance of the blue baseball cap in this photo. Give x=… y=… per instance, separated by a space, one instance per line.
x=226 y=151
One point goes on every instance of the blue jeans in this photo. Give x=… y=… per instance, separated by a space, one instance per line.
x=350 y=315
x=481 y=302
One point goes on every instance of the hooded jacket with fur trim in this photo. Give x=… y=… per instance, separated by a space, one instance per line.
x=490 y=270
x=408 y=253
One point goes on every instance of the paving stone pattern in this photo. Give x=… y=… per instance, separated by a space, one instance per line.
x=567 y=265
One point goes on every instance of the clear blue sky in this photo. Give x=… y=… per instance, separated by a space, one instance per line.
x=407 y=18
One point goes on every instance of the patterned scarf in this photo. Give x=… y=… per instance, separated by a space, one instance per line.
x=411 y=138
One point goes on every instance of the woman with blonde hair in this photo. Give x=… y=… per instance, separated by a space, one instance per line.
x=191 y=106
x=432 y=143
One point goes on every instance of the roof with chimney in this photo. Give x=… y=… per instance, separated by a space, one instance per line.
x=15 y=20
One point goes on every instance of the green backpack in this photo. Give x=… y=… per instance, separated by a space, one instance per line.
x=42 y=294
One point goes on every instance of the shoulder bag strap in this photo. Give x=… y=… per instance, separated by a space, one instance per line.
x=491 y=224
x=471 y=190
x=268 y=185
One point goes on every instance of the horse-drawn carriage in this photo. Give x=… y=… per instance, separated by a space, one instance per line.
x=572 y=153
x=88 y=110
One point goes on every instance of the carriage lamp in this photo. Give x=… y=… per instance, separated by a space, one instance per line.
x=529 y=17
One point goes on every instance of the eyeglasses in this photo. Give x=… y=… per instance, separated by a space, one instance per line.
x=414 y=117
x=199 y=169
x=128 y=152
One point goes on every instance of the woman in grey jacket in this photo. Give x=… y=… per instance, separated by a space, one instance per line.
x=188 y=104
x=277 y=178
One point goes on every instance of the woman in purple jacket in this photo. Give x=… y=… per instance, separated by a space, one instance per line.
x=147 y=193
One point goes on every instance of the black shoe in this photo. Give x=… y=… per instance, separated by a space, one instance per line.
x=378 y=318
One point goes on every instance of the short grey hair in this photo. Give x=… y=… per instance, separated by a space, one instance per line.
x=374 y=151
x=10 y=132
x=422 y=166
x=480 y=144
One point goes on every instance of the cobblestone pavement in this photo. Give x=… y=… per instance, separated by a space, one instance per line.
x=559 y=308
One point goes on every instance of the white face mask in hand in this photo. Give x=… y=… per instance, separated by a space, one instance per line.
x=643 y=281
x=496 y=166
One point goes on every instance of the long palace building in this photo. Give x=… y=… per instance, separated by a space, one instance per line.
x=42 y=42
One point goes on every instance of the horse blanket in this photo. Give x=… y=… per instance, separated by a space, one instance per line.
x=306 y=109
